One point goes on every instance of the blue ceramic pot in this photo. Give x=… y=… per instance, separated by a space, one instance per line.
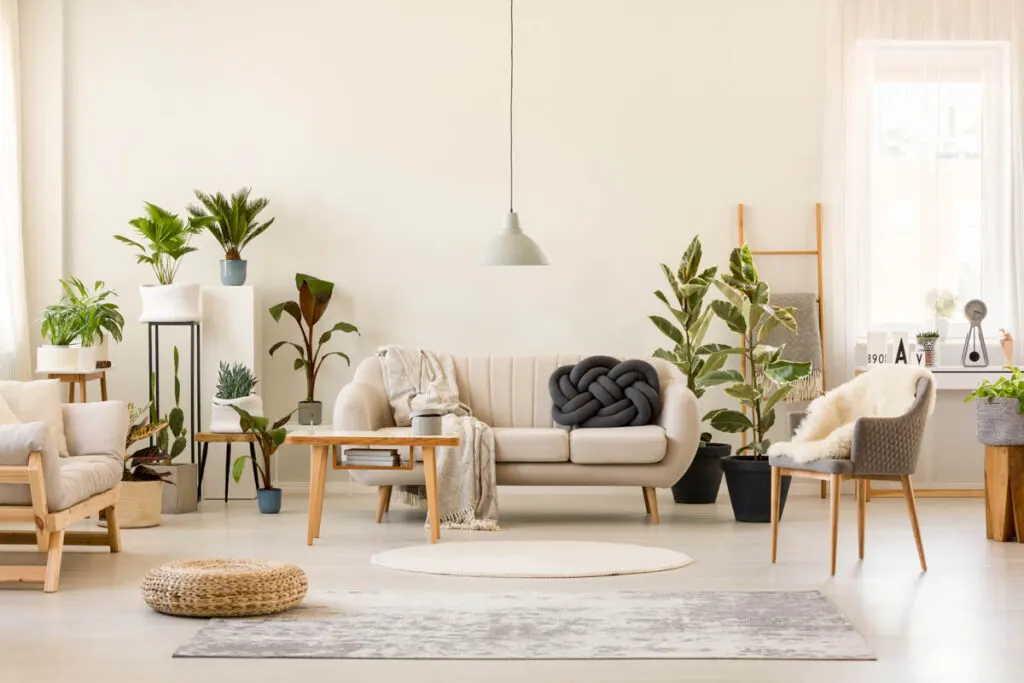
x=232 y=272
x=269 y=500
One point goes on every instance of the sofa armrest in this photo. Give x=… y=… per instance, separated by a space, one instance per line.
x=680 y=418
x=97 y=428
x=17 y=442
x=362 y=407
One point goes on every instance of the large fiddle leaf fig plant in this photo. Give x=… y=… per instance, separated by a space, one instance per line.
x=747 y=310
x=314 y=297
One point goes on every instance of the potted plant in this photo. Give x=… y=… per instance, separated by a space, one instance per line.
x=165 y=240
x=696 y=360
x=314 y=296
x=233 y=224
x=943 y=305
x=169 y=443
x=235 y=383
x=61 y=326
x=747 y=310
x=101 y=320
x=139 y=503
x=1000 y=407
x=927 y=342
x=269 y=438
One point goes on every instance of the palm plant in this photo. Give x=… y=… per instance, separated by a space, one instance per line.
x=98 y=316
x=232 y=221
x=165 y=240
x=314 y=296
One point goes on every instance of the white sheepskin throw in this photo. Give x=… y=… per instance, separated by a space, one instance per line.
x=827 y=429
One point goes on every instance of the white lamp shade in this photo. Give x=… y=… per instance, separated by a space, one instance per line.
x=511 y=247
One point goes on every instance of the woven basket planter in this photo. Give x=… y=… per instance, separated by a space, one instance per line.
x=999 y=423
x=224 y=588
x=139 y=504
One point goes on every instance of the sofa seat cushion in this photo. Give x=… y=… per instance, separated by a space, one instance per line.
x=83 y=477
x=511 y=444
x=531 y=444
x=642 y=445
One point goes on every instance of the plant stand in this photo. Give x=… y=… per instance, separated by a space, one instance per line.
x=206 y=438
x=1004 y=493
x=194 y=381
x=80 y=378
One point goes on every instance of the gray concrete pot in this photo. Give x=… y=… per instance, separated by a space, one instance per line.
x=310 y=412
x=999 y=423
x=232 y=272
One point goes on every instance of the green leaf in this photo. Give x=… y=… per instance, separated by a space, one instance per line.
x=299 y=364
x=732 y=316
x=176 y=421
x=673 y=282
x=763 y=353
x=786 y=371
x=314 y=296
x=744 y=392
x=324 y=357
x=708 y=349
x=338 y=327
x=783 y=315
x=713 y=363
x=734 y=295
x=700 y=328
x=178 y=447
x=767 y=421
x=762 y=294
x=721 y=377
x=731 y=422
x=664 y=355
x=289 y=307
x=667 y=329
x=690 y=263
x=238 y=467
x=275 y=347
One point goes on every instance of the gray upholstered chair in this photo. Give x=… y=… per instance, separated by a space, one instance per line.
x=884 y=449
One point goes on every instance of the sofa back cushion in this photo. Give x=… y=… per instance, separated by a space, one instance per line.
x=38 y=401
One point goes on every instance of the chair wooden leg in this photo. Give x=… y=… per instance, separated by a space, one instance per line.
x=776 y=489
x=647 y=505
x=862 y=499
x=824 y=489
x=113 y=529
x=651 y=498
x=908 y=494
x=53 y=559
x=835 y=484
x=383 y=500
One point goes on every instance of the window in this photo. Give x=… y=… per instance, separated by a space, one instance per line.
x=932 y=172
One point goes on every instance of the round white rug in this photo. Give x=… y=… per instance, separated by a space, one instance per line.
x=531 y=559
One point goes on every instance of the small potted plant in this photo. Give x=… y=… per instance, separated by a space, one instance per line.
x=269 y=438
x=61 y=326
x=747 y=310
x=141 y=494
x=928 y=341
x=101 y=321
x=234 y=225
x=697 y=361
x=165 y=240
x=942 y=303
x=1000 y=407
x=314 y=296
x=235 y=383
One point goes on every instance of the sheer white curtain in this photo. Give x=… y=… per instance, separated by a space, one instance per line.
x=14 y=344
x=923 y=174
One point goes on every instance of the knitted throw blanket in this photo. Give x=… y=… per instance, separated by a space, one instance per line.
x=467 y=491
x=803 y=346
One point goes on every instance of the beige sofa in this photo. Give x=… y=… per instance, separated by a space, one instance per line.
x=511 y=395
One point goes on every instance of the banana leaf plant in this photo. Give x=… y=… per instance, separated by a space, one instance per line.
x=747 y=310
x=689 y=285
x=314 y=297
x=269 y=438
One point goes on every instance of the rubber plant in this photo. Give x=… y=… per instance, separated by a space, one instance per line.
x=314 y=297
x=232 y=220
x=269 y=438
x=747 y=310
x=689 y=285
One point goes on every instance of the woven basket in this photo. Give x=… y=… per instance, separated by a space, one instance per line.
x=139 y=503
x=999 y=423
x=224 y=588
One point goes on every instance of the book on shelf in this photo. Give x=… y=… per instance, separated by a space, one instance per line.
x=372 y=457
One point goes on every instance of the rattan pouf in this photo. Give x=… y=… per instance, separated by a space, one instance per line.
x=224 y=588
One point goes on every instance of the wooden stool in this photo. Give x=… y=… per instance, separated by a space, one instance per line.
x=80 y=378
x=206 y=438
x=1004 y=493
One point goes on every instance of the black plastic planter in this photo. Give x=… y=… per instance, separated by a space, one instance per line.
x=701 y=482
x=750 y=488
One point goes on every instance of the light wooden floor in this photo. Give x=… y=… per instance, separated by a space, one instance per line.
x=963 y=621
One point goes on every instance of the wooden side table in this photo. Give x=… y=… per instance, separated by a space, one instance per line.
x=80 y=378
x=206 y=438
x=1004 y=493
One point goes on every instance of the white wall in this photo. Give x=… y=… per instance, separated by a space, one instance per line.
x=378 y=130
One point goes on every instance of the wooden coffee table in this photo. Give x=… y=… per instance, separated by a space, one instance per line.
x=323 y=439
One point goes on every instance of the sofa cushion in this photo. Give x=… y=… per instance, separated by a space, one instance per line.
x=642 y=445
x=7 y=416
x=83 y=477
x=38 y=401
x=531 y=444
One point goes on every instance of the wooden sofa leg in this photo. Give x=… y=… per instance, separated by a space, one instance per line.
x=42 y=540
x=647 y=503
x=53 y=559
x=651 y=498
x=113 y=529
x=383 y=501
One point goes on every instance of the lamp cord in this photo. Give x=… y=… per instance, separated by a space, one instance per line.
x=511 y=83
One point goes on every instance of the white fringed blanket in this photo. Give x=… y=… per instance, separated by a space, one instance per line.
x=827 y=430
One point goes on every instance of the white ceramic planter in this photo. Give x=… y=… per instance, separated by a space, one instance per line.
x=57 y=358
x=102 y=351
x=224 y=420
x=87 y=358
x=171 y=303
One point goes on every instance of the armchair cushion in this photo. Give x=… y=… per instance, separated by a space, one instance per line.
x=16 y=443
x=825 y=466
x=7 y=416
x=38 y=401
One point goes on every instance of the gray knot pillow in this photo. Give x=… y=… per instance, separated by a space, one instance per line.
x=601 y=391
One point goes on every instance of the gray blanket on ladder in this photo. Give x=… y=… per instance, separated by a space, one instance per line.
x=804 y=346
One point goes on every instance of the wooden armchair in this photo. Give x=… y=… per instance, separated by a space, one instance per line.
x=39 y=487
x=884 y=449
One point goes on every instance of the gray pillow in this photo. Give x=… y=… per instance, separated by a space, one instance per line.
x=601 y=391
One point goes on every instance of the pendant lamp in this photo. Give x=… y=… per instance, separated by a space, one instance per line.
x=511 y=246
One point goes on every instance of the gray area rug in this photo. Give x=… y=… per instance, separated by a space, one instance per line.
x=613 y=625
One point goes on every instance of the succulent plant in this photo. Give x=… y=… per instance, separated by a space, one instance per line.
x=235 y=380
